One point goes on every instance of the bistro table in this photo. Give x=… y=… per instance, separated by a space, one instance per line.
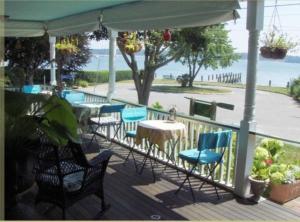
x=158 y=132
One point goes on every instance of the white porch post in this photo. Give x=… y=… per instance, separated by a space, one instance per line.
x=52 y=41
x=112 y=71
x=255 y=18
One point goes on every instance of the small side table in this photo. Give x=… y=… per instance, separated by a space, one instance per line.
x=157 y=132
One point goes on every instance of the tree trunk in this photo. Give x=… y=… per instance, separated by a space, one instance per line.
x=144 y=91
x=30 y=78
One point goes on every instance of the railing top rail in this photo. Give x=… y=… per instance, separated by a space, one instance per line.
x=194 y=118
x=185 y=116
x=275 y=137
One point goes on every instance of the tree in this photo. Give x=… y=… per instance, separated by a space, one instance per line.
x=156 y=46
x=207 y=46
x=156 y=55
x=28 y=54
x=72 y=53
x=32 y=54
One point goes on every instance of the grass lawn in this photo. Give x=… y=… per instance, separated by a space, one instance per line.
x=280 y=90
x=291 y=155
x=193 y=90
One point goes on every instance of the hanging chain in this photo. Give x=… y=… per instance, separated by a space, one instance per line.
x=275 y=14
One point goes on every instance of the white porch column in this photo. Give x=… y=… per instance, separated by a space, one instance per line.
x=255 y=18
x=112 y=71
x=52 y=41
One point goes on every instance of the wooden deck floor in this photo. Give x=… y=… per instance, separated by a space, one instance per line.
x=137 y=197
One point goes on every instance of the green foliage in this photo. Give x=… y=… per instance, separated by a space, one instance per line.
x=53 y=116
x=82 y=83
x=274 y=147
x=260 y=164
x=274 y=40
x=28 y=54
x=267 y=163
x=103 y=76
x=16 y=76
x=295 y=88
x=157 y=105
x=72 y=53
x=183 y=79
x=207 y=46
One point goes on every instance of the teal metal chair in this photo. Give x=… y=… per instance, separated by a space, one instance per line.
x=206 y=154
x=105 y=119
x=132 y=116
x=74 y=97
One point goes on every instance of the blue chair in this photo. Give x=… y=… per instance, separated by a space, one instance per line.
x=104 y=119
x=33 y=89
x=75 y=97
x=129 y=116
x=65 y=92
x=206 y=154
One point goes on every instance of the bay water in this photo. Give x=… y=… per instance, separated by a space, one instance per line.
x=278 y=71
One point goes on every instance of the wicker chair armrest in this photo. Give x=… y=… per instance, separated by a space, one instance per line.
x=101 y=158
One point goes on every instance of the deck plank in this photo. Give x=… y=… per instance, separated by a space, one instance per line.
x=137 y=197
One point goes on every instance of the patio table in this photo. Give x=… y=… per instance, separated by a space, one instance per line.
x=158 y=132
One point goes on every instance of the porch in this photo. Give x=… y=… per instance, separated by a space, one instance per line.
x=137 y=197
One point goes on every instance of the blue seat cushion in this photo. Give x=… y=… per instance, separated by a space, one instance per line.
x=206 y=156
x=33 y=89
x=131 y=133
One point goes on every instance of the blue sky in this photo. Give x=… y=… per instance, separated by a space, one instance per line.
x=289 y=17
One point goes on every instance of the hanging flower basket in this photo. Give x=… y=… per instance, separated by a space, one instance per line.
x=130 y=43
x=273 y=53
x=276 y=46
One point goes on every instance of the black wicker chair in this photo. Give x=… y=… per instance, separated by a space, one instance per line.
x=64 y=175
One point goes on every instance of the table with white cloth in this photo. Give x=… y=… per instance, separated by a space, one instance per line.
x=158 y=132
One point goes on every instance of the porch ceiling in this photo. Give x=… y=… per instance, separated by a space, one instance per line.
x=32 y=18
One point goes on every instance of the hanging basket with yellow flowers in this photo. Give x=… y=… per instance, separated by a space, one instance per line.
x=130 y=43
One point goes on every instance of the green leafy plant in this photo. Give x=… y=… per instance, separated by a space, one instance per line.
x=27 y=116
x=295 y=88
x=157 y=105
x=261 y=164
x=274 y=40
x=284 y=173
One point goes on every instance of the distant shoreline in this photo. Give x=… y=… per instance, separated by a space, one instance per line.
x=288 y=59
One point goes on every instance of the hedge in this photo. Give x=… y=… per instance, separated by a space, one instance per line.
x=103 y=76
x=295 y=88
x=89 y=76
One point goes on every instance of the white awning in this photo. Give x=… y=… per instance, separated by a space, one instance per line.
x=32 y=18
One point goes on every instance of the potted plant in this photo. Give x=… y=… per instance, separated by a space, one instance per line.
x=276 y=46
x=284 y=182
x=25 y=115
x=259 y=177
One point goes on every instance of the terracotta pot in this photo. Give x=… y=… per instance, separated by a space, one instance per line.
x=257 y=188
x=282 y=193
x=273 y=53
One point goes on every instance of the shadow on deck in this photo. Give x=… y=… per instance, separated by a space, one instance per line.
x=137 y=197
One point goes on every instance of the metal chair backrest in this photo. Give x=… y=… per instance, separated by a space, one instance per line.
x=214 y=140
x=134 y=114
x=113 y=108
x=75 y=97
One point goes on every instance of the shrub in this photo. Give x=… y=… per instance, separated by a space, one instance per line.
x=183 y=79
x=82 y=83
x=157 y=105
x=295 y=88
x=102 y=76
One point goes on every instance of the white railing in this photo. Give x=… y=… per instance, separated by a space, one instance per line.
x=224 y=174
